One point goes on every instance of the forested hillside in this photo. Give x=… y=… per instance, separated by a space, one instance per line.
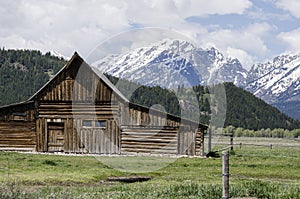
x=249 y=112
x=243 y=108
x=23 y=72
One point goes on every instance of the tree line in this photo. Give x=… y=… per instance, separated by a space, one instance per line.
x=269 y=133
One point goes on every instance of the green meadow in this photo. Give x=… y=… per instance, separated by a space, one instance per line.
x=255 y=171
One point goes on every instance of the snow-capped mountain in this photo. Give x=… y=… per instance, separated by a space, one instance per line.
x=276 y=81
x=170 y=63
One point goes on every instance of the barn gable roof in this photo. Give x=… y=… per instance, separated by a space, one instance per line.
x=77 y=61
x=67 y=65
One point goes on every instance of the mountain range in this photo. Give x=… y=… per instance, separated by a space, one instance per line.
x=171 y=63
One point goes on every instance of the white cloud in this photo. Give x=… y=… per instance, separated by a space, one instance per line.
x=292 y=39
x=70 y=25
x=75 y=25
x=245 y=58
x=293 y=6
x=166 y=12
x=241 y=43
x=204 y=7
x=63 y=26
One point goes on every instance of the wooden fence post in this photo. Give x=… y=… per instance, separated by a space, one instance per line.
x=225 y=174
x=231 y=142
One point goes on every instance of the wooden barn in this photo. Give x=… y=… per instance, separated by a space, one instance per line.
x=80 y=111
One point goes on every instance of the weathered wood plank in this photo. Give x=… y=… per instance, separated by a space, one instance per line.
x=15 y=134
x=147 y=151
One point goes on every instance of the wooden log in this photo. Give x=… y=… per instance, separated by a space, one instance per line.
x=148 y=147
x=147 y=151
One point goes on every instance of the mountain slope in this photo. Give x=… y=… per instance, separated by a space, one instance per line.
x=277 y=82
x=291 y=108
x=247 y=111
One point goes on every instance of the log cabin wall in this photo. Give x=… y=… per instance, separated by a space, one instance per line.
x=157 y=132
x=17 y=127
x=149 y=140
x=133 y=114
x=199 y=151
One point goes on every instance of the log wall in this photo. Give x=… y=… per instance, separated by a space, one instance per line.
x=18 y=112
x=75 y=95
x=17 y=135
x=132 y=114
x=199 y=148
x=146 y=140
x=161 y=140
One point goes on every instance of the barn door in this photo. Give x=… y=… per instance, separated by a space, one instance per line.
x=55 y=131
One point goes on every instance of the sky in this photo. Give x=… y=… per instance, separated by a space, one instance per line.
x=251 y=30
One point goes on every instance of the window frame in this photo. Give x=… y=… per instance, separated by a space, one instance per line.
x=87 y=126
x=90 y=123
x=101 y=121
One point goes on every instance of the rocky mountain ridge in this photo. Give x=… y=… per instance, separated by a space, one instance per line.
x=171 y=63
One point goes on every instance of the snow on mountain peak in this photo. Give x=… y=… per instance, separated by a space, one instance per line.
x=169 y=63
x=274 y=81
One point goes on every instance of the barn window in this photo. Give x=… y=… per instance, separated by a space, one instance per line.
x=87 y=123
x=100 y=123
x=19 y=116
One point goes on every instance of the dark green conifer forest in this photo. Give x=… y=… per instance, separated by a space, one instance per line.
x=23 y=72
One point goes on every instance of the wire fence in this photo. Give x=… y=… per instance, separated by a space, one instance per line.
x=220 y=142
x=264 y=148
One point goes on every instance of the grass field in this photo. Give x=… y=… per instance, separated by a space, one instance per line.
x=256 y=171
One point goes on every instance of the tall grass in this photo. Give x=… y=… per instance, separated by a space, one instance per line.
x=259 y=189
x=13 y=190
